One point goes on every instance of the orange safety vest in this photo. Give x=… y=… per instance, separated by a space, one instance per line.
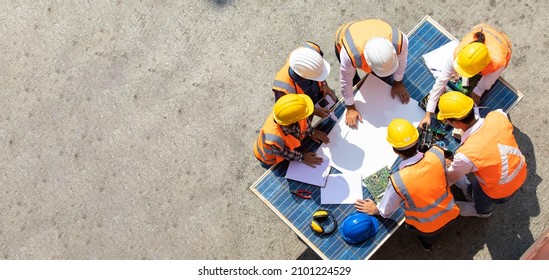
x=494 y=151
x=272 y=135
x=354 y=35
x=428 y=202
x=283 y=82
x=498 y=44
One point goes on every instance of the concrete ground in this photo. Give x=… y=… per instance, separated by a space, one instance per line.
x=126 y=127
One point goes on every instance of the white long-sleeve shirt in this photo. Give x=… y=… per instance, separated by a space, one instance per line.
x=391 y=200
x=348 y=71
x=445 y=74
x=462 y=165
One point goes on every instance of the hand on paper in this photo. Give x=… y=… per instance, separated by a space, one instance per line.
x=367 y=206
x=311 y=159
x=399 y=90
x=320 y=137
x=351 y=116
x=322 y=112
x=426 y=120
x=475 y=98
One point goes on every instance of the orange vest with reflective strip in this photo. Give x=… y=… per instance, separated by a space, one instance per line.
x=498 y=44
x=272 y=135
x=495 y=153
x=428 y=203
x=354 y=35
x=283 y=82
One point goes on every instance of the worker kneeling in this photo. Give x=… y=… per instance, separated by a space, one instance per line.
x=488 y=150
x=285 y=128
x=420 y=183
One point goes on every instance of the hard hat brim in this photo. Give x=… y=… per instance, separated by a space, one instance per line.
x=310 y=106
x=383 y=74
x=462 y=72
x=440 y=116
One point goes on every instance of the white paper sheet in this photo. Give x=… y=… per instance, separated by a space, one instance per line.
x=436 y=60
x=365 y=150
x=301 y=172
x=344 y=188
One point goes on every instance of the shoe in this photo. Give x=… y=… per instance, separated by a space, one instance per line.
x=426 y=247
x=484 y=215
x=465 y=187
x=467 y=209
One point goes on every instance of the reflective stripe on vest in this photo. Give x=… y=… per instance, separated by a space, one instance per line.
x=286 y=88
x=498 y=44
x=263 y=152
x=283 y=82
x=504 y=151
x=272 y=135
x=501 y=167
x=428 y=203
x=353 y=37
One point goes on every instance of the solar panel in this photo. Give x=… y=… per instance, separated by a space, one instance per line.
x=274 y=189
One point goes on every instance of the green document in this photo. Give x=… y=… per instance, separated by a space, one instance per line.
x=377 y=183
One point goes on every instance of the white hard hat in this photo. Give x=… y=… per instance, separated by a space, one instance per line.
x=309 y=64
x=381 y=56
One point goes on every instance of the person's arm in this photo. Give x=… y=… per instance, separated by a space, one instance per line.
x=387 y=206
x=286 y=153
x=398 y=89
x=346 y=75
x=439 y=87
x=402 y=60
x=310 y=129
x=390 y=201
x=443 y=76
x=326 y=90
x=460 y=166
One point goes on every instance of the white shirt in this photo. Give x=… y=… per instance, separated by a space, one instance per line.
x=444 y=75
x=462 y=165
x=348 y=71
x=391 y=200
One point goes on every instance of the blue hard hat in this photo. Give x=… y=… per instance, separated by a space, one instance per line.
x=358 y=227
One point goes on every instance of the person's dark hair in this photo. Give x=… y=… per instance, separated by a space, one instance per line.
x=409 y=152
x=467 y=119
x=479 y=36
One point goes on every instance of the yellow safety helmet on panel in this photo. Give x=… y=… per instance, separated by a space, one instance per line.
x=292 y=108
x=472 y=59
x=454 y=105
x=401 y=134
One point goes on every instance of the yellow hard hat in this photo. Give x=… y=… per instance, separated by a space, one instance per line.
x=401 y=134
x=455 y=105
x=292 y=108
x=471 y=59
